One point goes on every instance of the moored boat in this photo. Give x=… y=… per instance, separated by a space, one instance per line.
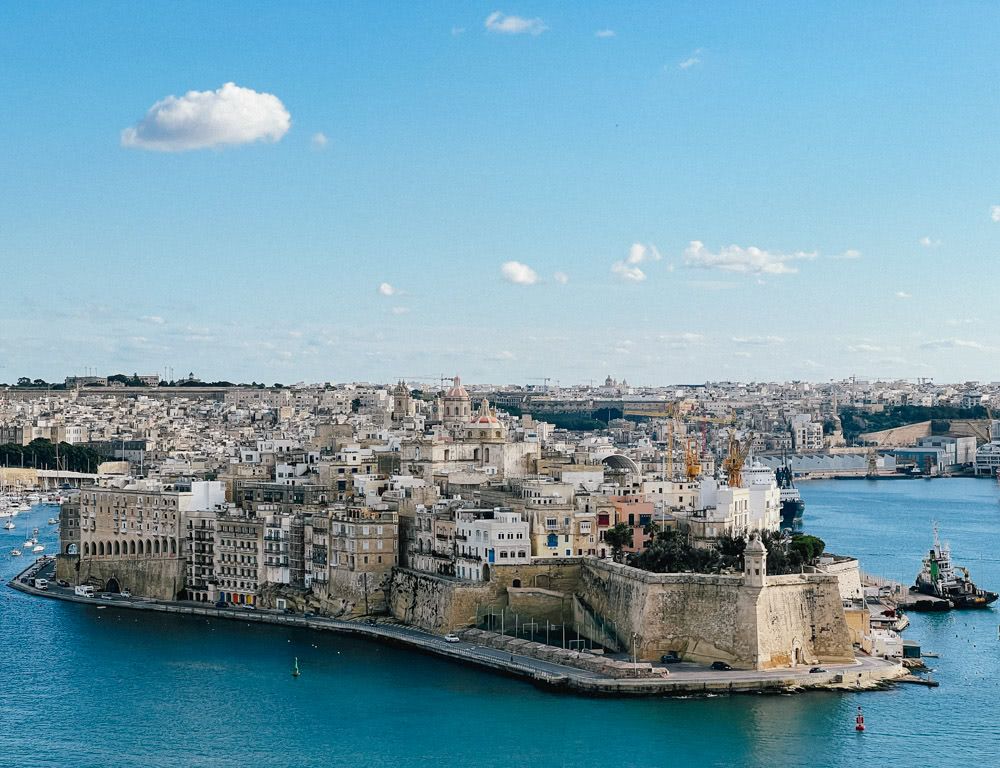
x=939 y=578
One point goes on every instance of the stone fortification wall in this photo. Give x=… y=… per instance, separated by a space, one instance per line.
x=699 y=616
x=795 y=619
x=158 y=578
x=437 y=603
x=800 y=620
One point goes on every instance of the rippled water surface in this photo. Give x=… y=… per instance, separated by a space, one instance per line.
x=81 y=687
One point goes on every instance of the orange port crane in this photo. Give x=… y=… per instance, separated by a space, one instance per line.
x=735 y=458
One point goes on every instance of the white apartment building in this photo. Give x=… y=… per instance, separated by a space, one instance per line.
x=484 y=537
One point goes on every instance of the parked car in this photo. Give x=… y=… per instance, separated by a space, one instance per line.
x=670 y=657
x=816 y=670
x=106 y=596
x=721 y=666
x=452 y=638
x=62 y=583
x=126 y=593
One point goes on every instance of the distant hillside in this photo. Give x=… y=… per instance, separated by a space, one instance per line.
x=856 y=421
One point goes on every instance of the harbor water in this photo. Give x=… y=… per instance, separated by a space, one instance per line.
x=86 y=687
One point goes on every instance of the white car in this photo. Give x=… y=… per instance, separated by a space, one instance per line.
x=126 y=593
x=452 y=638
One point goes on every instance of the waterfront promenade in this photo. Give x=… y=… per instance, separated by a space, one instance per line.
x=680 y=679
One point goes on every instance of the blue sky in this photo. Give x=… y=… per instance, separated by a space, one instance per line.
x=837 y=166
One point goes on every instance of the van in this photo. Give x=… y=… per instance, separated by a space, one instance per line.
x=84 y=590
x=41 y=583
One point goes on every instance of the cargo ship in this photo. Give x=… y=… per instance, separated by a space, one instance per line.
x=940 y=579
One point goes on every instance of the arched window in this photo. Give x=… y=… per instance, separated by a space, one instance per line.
x=100 y=548
x=486 y=453
x=131 y=547
x=173 y=546
x=86 y=549
x=118 y=548
x=156 y=546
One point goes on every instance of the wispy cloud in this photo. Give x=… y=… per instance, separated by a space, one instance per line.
x=995 y=213
x=868 y=348
x=386 y=289
x=318 y=140
x=759 y=341
x=518 y=273
x=903 y=295
x=400 y=310
x=203 y=119
x=681 y=340
x=605 y=33
x=953 y=344
x=751 y=260
x=153 y=319
x=561 y=277
x=928 y=242
x=456 y=31
x=514 y=25
x=850 y=254
x=691 y=61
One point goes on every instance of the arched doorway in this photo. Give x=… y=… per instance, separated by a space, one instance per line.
x=486 y=572
x=112 y=586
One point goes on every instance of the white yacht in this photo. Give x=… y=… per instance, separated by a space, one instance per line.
x=15 y=552
x=38 y=548
x=9 y=525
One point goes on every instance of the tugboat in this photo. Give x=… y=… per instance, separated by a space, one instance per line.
x=939 y=578
x=792 y=505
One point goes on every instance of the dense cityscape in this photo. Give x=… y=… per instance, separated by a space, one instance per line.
x=434 y=505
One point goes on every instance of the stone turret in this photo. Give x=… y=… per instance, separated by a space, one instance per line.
x=755 y=563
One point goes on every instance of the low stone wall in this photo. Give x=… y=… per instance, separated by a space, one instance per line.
x=601 y=665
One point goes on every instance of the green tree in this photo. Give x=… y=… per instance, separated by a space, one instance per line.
x=618 y=537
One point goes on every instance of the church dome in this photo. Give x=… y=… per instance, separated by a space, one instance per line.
x=457 y=390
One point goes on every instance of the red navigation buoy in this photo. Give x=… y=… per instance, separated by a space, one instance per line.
x=859 y=721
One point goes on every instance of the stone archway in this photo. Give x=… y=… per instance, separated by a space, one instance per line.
x=797 y=657
x=113 y=586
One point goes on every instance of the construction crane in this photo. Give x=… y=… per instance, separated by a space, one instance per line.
x=735 y=458
x=692 y=461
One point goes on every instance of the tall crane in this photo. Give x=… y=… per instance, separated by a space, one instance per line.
x=736 y=457
x=692 y=461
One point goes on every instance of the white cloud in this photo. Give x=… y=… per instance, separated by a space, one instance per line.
x=849 y=254
x=734 y=258
x=691 y=61
x=927 y=242
x=864 y=348
x=759 y=341
x=400 y=310
x=456 y=31
x=318 y=140
x=518 y=273
x=604 y=33
x=503 y=355
x=561 y=277
x=203 y=119
x=995 y=213
x=513 y=25
x=953 y=344
x=386 y=289
x=154 y=319
x=903 y=295
x=627 y=272
x=637 y=254
x=679 y=340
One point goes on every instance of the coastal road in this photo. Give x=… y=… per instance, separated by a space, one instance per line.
x=680 y=677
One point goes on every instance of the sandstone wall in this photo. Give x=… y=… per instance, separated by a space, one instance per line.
x=800 y=620
x=438 y=604
x=161 y=578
